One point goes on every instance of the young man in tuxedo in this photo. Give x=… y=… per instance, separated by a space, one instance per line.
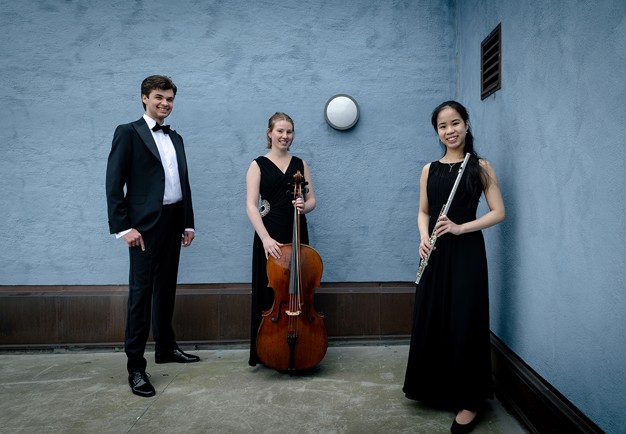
x=150 y=209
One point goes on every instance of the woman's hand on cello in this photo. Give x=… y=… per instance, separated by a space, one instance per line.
x=299 y=203
x=271 y=248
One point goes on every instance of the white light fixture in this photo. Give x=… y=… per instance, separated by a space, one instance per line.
x=341 y=112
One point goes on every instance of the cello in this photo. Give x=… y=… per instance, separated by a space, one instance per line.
x=292 y=335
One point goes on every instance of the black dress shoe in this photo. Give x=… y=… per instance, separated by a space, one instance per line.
x=458 y=428
x=140 y=385
x=176 y=356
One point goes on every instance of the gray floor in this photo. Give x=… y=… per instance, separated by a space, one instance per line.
x=356 y=389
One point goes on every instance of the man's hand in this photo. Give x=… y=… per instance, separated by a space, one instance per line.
x=134 y=239
x=188 y=237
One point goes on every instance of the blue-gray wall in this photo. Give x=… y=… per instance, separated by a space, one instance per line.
x=73 y=69
x=555 y=133
x=71 y=72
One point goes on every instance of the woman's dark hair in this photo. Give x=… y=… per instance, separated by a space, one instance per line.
x=160 y=82
x=477 y=179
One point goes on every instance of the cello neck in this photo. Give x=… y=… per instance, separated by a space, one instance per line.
x=294 y=282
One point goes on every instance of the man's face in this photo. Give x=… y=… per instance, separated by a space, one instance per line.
x=159 y=104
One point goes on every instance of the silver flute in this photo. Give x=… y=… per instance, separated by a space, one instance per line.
x=444 y=211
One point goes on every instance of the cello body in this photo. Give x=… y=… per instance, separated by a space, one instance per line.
x=292 y=340
x=292 y=335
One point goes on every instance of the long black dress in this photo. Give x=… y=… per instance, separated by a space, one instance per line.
x=277 y=213
x=449 y=356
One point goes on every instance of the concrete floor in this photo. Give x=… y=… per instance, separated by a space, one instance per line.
x=356 y=389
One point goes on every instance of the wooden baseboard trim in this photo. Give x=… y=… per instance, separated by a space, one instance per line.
x=94 y=316
x=541 y=407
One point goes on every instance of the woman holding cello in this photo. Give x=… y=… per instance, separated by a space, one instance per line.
x=271 y=176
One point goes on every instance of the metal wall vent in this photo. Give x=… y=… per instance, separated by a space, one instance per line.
x=491 y=63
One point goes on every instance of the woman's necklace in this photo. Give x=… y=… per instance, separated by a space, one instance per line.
x=452 y=165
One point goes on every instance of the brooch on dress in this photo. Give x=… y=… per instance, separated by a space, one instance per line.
x=265 y=208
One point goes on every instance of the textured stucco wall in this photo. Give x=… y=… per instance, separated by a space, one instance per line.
x=554 y=132
x=72 y=70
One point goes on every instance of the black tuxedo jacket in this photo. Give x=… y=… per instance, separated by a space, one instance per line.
x=135 y=179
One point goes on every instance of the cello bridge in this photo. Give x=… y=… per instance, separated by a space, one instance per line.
x=292 y=313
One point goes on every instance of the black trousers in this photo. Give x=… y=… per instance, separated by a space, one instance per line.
x=152 y=287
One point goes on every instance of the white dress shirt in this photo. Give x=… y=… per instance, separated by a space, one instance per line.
x=173 y=192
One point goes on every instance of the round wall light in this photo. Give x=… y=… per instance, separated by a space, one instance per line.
x=341 y=112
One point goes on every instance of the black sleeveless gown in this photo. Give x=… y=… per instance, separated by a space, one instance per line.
x=449 y=357
x=278 y=220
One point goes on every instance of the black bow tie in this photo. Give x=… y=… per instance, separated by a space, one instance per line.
x=165 y=128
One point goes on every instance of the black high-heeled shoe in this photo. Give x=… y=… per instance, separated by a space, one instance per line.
x=458 y=428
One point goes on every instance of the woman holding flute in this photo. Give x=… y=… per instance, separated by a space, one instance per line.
x=449 y=361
